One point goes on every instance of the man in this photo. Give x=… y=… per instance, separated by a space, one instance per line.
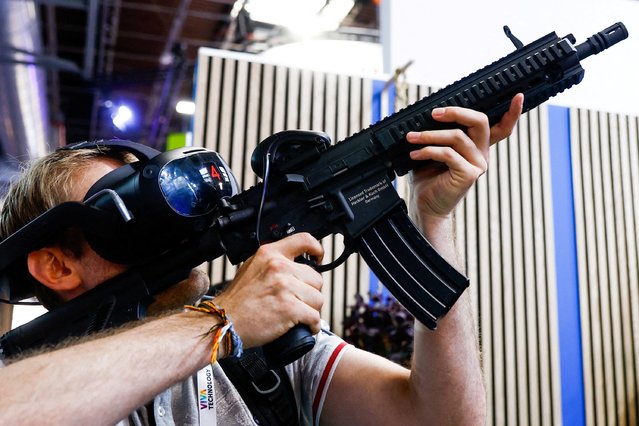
x=335 y=384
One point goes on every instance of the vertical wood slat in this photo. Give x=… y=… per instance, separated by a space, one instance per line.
x=519 y=397
x=527 y=394
x=632 y=230
x=619 y=156
x=267 y=96
x=202 y=81
x=507 y=266
x=293 y=107
x=606 y=267
x=279 y=99
x=616 y=394
x=483 y=279
x=596 y=276
x=631 y=215
x=238 y=123
x=494 y=283
x=6 y=316
x=619 y=267
x=253 y=118
x=306 y=100
x=581 y=183
x=538 y=302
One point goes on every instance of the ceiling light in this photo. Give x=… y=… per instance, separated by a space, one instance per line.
x=122 y=117
x=185 y=107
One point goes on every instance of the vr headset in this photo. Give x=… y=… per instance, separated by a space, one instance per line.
x=134 y=213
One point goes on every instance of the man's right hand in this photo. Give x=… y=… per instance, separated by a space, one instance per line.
x=271 y=292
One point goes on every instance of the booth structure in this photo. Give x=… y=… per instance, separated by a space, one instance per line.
x=548 y=235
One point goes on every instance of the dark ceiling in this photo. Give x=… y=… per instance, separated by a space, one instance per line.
x=144 y=53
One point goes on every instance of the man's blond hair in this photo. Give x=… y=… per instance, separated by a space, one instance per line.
x=42 y=185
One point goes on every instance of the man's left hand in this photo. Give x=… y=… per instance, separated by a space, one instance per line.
x=461 y=156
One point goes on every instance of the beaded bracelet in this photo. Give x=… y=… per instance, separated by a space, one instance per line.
x=237 y=347
x=221 y=331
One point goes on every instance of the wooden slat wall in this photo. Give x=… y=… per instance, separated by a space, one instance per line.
x=606 y=185
x=6 y=315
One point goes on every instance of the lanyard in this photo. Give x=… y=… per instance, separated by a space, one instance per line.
x=206 y=396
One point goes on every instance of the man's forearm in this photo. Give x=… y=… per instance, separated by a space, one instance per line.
x=103 y=380
x=446 y=361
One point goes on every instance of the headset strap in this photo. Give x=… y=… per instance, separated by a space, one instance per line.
x=143 y=152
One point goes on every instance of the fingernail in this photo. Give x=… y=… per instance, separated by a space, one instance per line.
x=438 y=112
x=411 y=136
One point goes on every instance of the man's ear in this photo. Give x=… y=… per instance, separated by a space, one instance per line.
x=54 y=268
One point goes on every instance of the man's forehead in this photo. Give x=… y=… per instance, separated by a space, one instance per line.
x=86 y=178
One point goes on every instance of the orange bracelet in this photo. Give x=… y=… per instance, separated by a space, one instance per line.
x=219 y=331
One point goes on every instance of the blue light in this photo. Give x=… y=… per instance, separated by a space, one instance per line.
x=122 y=117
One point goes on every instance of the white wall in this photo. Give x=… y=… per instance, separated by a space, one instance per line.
x=339 y=56
x=449 y=40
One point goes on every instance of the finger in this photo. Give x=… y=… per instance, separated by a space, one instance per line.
x=475 y=122
x=454 y=161
x=464 y=116
x=296 y=245
x=454 y=138
x=308 y=275
x=310 y=293
x=294 y=300
x=309 y=317
x=505 y=127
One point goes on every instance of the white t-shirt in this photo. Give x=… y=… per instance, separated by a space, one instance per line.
x=310 y=377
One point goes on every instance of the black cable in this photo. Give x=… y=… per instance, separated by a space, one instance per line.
x=267 y=167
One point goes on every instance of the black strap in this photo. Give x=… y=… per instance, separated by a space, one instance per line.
x=267 y=393
x=142 y=152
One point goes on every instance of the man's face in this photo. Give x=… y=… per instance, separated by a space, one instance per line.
x=95 y=269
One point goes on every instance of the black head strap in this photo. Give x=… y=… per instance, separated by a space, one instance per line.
x=143 y=152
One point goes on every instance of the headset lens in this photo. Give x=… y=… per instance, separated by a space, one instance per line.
x=193 y=185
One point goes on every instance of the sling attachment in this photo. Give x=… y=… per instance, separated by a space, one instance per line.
x=412 y=270
x=267 y=392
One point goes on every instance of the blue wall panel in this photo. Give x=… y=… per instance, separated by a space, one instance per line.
x=570 y=345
